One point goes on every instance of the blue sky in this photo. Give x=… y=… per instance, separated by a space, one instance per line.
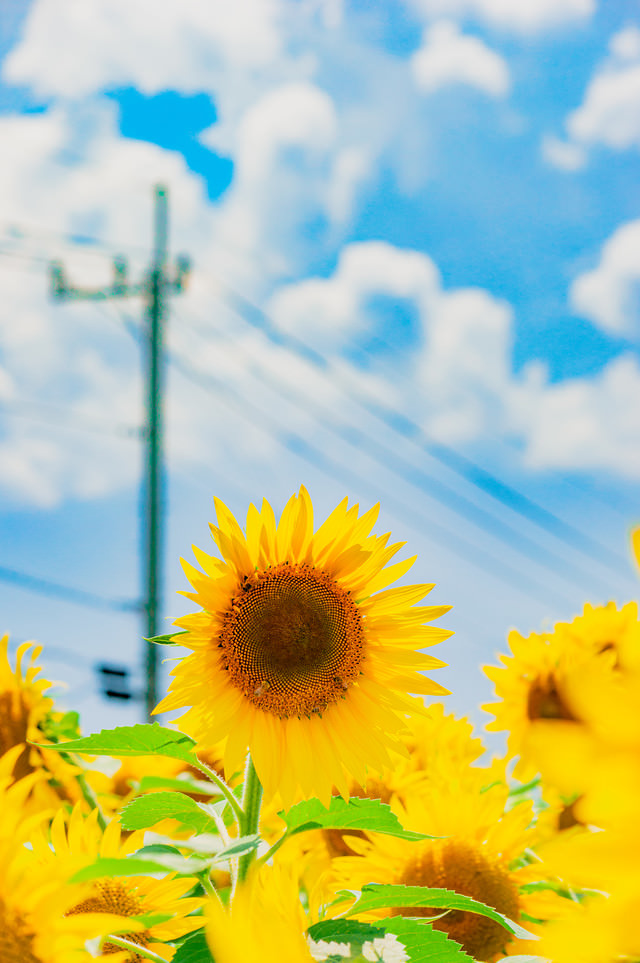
x=440 y=197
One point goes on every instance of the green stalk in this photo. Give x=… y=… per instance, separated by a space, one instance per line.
x=251 y=799
x=90 y=797
x=226 y=790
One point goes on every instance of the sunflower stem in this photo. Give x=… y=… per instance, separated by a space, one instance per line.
x=209 y=887
x=272 y=849
x=251 y=799
x=90 y=797
x=226 y=790
x=135 y=947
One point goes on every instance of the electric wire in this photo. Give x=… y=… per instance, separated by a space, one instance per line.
x=65 y=417
x=413 y=432
x=390 y=348
x=426 y=483
x=66 y=593
x=297 y=445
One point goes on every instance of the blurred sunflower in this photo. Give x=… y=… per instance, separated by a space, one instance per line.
x=297 y=653
x=266 y=921
x=77 y=841
x=603 y=924
x=24 y=713
x=480 y=856
x=598 y=760
x=33 y=904
x=608 y=631
x=533 y=683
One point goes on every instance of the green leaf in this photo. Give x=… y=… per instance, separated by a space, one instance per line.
x=56 y=726
x=183 y=784
x=523 y=788
x=423 y=943
x=238 y=847
x=140 y=740
x=369 y=815
x=136 y=866
x=145 y=811
x=194 y=950
x=343 y=931
x=169 y=639
x=382 y=895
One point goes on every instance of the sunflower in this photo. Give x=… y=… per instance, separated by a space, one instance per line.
x=34 y=927
x=266 y=921
x=77 y=841
x=481 y=843
x=297 y=654
x=439 y=747
x=599 y=759
x=603 y=925
x=24 y=711
x=533 y=683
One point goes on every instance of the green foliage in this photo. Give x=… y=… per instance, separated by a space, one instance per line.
x=145 y=811
x=194 y=950
x=370 y=815
x=170 y=639
x=140 y=740
x=56 y=726
x=183 y=783
x=141 y=866
x=422 y=942
x=383 y=895
x=343 y=931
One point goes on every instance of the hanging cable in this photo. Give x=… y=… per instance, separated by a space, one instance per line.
x=54 y=590
x=429 y=485
x=409 y=429
x=309 y=452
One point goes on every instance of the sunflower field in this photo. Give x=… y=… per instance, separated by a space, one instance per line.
x=309 y=801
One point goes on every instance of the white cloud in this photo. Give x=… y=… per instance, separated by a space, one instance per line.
x=458 y=363
x=522 y=16
x=609 y=295
x=72 y=49
x=331 y=312
x=457 y=376
x=449 y=57
x=581 y=423
x=295 y=181
x=609 y=114
x=79 y=176
x=563 y=154
x=625 y=45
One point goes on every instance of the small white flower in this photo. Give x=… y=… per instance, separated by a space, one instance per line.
x=387 y=949
x=321 y=950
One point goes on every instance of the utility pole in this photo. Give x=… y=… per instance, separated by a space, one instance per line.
x=155 y=289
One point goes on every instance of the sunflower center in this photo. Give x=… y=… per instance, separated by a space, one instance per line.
x=111 y=896
x=293 y=641
x=545 y=701
x=16 y=940
x=456 y=865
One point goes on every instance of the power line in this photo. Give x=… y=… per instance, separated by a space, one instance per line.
x=309 y=452
x=60 y=416
x=55 y=590
x=429 y=485
x=409 y=429
x=20 y=231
